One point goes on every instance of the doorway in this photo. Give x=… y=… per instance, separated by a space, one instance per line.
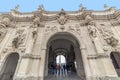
x=64 y=49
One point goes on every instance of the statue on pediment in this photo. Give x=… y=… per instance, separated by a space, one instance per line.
x=107 y=8
x=82 y=8
x=16 y=10
x=41 y=8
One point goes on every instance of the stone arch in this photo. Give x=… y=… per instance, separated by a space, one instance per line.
x=9 y=66
x=79 y=43
x=115 y=57
x=47 y=37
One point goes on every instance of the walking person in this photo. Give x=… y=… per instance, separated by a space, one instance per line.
x=58 y=69
x=64 y=69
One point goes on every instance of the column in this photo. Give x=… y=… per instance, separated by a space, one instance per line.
x=86 y=63
x=42 y=64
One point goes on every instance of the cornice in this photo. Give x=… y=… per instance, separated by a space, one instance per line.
x=73 y=15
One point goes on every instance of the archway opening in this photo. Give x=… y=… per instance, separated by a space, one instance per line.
x=61 y=60
x=9 y=67
x=63 y=50
x=115 y=56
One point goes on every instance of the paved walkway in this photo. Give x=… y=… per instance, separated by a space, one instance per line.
x=63 y=77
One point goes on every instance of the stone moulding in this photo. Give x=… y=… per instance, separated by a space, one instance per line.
x=31 y=56
x=97 y=56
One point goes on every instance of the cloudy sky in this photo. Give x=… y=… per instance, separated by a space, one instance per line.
x=55 y=5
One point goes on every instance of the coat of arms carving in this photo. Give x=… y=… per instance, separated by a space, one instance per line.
x=62 y=18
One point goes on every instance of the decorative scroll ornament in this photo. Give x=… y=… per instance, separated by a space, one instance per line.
x=36 y=20
x=5 y=22
x=92 y=29
x=62 y=19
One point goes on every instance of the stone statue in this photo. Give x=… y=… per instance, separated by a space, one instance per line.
x=40 y=8
x=16 y=10
x=92 y=29
x=82 y=8
x=19 y=39
x=34 y=33
x=107 y=8
x=15 y=42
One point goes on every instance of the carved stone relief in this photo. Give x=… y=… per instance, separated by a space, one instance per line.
x=19 y=39
x=51 y=28
x=62 y=18
x=109 y=36
x=75 y=28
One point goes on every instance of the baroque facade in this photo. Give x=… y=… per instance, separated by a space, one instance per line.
x=30 y=42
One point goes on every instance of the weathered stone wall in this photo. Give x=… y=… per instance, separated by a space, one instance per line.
x=28 y=33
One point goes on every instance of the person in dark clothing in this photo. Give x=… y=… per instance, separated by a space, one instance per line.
x=58 y=69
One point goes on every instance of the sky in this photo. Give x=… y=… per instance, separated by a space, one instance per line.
x=56 y=5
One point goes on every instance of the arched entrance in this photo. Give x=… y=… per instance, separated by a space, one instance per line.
x=64 y=45
x=9 y=67
x=115 y=56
